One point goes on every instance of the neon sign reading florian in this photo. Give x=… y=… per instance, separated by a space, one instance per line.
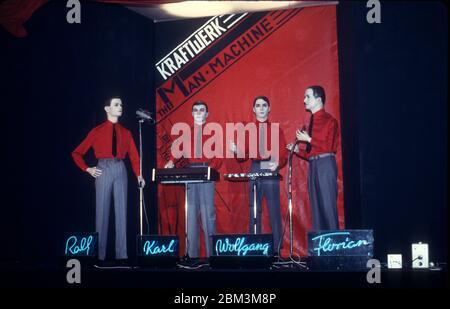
x=326 y=243
x=154 y=248
x=77 y=246
x=241 y=247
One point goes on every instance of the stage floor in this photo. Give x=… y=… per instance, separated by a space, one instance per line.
x=205 y=277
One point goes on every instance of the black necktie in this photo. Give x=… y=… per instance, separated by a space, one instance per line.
x=262 y=139
x=114 y=141
x=198 y=143
x=308 y=145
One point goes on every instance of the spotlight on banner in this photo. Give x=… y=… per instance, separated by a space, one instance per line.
x=157 y=251
x=242 y=251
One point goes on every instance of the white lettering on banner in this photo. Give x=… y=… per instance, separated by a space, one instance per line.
x=213 y=29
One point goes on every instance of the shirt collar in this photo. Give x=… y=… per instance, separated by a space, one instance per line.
x=319 y=113
x=109 y=123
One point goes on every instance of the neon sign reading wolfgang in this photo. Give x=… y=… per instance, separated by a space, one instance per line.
x=241 y=246
x=153 y=247
x=76 y=245
x=335 y=242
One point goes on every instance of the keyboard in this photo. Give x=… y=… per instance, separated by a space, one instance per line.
x=185 y=175
x=251 y=176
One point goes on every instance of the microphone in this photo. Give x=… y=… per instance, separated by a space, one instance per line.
x=144 y=115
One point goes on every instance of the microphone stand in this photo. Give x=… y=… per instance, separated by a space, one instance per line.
x=255 y=218
x=291 y=234
x=141 y=189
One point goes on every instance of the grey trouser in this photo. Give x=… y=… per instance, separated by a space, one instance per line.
x=200 y=206
x=270 y=188
x=322 y=188
x=112 y=182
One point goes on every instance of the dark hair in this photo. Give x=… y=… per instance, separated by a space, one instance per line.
x=318 y=92
x=108 y=101
x=200 y=102
x=262 y=98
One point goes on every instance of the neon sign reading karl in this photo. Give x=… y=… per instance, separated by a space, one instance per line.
x=154 y=248
x=326 y=243
x=75 y=249
x=241 y=247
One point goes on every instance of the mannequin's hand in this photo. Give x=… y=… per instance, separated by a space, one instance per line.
x=273 y=166
x=141 y=182
x=94 y=171
x=303 y=136
x=289 y=147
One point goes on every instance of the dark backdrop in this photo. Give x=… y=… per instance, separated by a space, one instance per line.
x=394 y=123
x=53 y=90
x=393 y=79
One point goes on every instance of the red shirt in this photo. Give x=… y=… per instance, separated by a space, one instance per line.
x=324 y=135
x=282 y=151
x=100 y=139
x=213 y=162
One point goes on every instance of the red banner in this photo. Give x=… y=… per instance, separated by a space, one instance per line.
x=275 y=54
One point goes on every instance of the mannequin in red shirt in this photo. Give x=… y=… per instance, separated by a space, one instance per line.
x=263 y=162
x=111 y=143
x=200 y=195
x=319 y=146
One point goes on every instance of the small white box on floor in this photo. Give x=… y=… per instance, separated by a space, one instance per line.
x=420 y=255
x=394 y=260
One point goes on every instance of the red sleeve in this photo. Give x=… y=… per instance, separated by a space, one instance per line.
x=335 y=136
x=302 y=151
x=81 y=150
x=216 y=163
x=172 y=158
x=330 y=139
x=283 y=153
x=184 y=155
x=133 y=154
